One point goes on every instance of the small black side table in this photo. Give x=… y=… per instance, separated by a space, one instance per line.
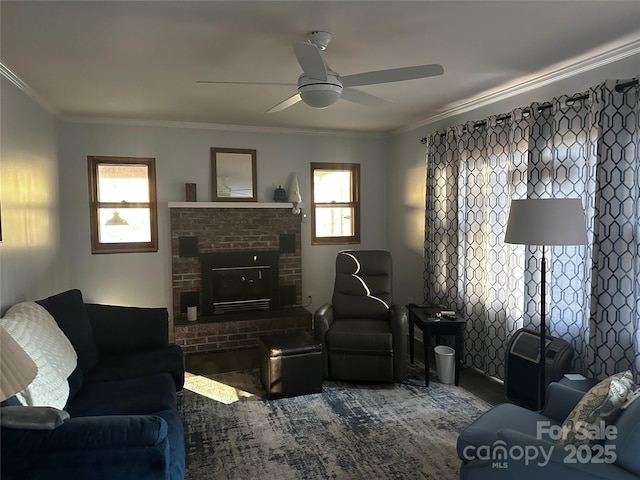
x=425 y=319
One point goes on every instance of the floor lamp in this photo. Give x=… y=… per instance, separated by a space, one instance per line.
x=546 y=222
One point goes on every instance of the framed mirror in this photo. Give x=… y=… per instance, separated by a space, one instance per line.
x=233 y=175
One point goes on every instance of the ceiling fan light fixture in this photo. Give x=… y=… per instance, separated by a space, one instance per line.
x=319 y=94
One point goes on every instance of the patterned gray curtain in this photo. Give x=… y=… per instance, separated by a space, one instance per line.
x=584 y=146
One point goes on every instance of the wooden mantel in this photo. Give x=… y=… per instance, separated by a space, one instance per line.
x=230 y=205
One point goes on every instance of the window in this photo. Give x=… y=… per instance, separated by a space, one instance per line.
x=123 y=210
x=335 y=203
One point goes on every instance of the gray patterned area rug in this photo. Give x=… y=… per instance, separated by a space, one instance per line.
x=349 y=431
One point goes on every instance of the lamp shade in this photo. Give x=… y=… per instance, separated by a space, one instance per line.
x=546 y=221
x=17 y=370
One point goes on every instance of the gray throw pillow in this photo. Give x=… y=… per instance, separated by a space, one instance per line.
x=32 y=418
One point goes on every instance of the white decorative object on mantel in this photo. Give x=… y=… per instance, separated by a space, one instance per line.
x=294 y=193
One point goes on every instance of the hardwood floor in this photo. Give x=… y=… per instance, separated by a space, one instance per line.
x=491 y=391
x=486 y=388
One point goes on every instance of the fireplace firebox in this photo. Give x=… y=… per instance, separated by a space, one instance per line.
x=241 y=280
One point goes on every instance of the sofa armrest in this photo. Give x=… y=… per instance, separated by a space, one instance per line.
x=560 y=400
x=322 y=320
x=100 y=448
x=87 y=433
x=399 y=322
x=120 y=329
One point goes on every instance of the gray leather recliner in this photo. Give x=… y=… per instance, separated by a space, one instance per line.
x=363 y=334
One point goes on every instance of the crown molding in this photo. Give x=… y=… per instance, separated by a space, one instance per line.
x=617 y=53
x=221 y=127
x=7 y=73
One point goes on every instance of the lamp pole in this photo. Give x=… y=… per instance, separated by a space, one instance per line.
x=543 y=333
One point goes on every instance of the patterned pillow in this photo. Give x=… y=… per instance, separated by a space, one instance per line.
x=37 y=333
x=600 y=403
x=632 y=397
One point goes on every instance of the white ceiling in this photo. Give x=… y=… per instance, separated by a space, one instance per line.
x=141 y=60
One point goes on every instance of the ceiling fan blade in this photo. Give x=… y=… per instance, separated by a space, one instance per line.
x=246 y=83
x=285 y=103
x=392 y=75
x=358 y=96
x=310 y=60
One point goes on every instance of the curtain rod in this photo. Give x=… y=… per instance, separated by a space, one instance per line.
x=621 y=87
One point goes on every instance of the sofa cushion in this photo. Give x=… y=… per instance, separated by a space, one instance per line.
x=169 y=359
x=33 y=328
x=70 y=313
x=133 y=396
x=121 y=330
x=601 y=403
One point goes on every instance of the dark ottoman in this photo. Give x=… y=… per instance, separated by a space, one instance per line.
x=290 y=365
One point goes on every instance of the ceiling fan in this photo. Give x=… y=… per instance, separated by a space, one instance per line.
x=321 y=87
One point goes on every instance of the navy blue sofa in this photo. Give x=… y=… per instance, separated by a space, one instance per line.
x=123 y=420
x=504 y=443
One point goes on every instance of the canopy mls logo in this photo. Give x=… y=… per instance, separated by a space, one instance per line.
x=542 y=452
x=499 y=454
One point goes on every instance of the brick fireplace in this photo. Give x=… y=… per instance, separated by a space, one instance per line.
x=203 y=231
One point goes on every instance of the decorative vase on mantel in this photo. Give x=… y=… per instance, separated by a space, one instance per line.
x=279 y=194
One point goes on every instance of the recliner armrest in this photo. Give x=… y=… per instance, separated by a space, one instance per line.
x=399 y=323
x=322 y=320
x=399 y=318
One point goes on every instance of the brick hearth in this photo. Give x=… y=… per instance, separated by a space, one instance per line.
x=242 y=331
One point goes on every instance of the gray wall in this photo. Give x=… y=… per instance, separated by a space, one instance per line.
x=30 y=253
x=182 y=155
x=407 y=170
